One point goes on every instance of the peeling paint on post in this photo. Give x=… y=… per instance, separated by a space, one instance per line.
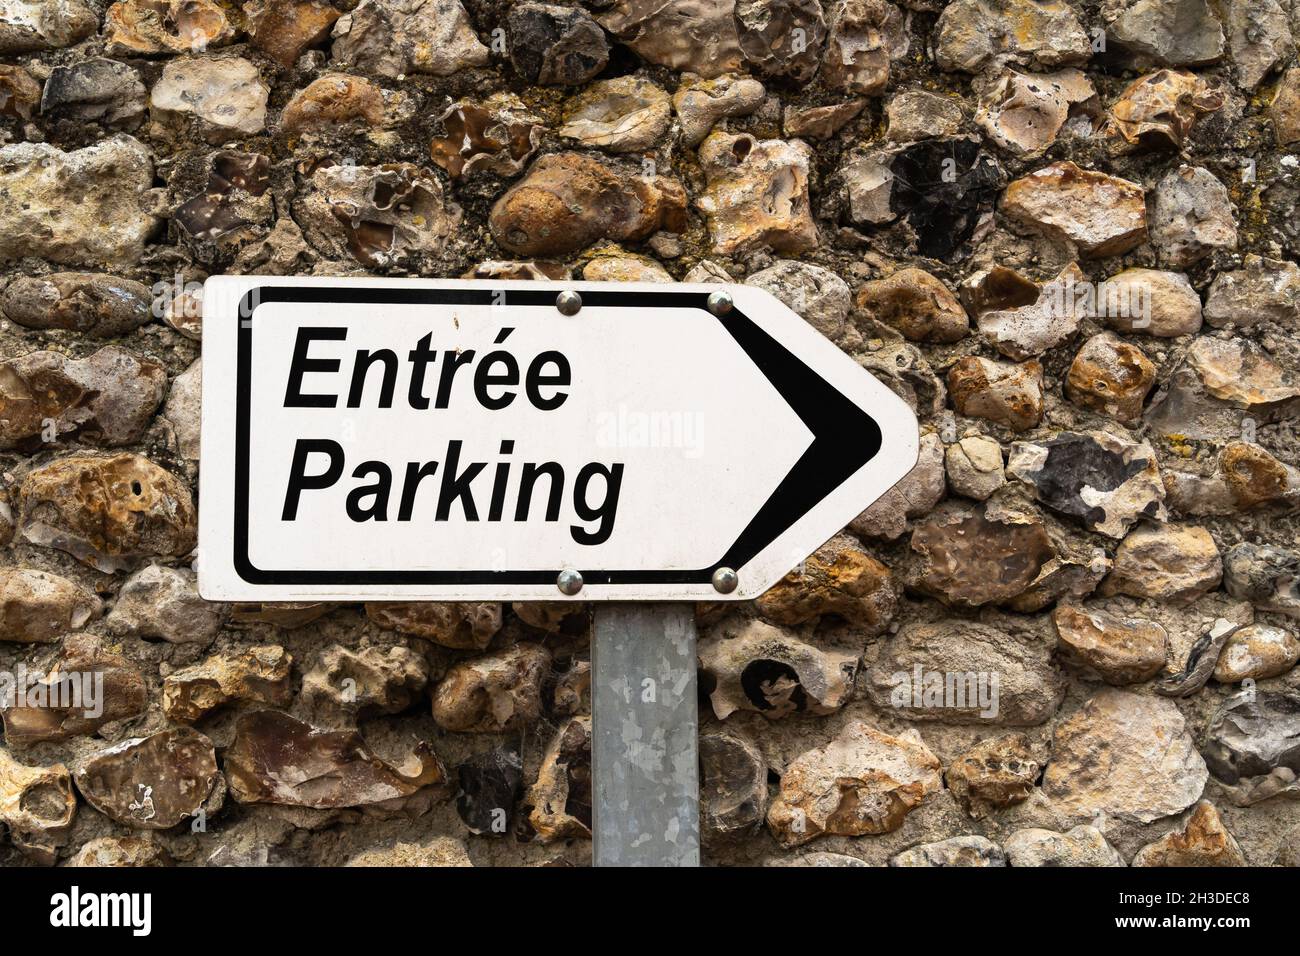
x=644 y=753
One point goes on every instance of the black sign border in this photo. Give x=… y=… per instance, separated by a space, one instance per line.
x=829 y=460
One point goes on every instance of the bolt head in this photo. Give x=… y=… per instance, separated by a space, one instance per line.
x=569 y=582
x=720 y=302
x=725 y=580
x=568 y=302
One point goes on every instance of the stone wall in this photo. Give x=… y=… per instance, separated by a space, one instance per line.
x=1065 y=233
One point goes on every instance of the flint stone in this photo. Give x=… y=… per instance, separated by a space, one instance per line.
x=108 y=512
x=60 y=712
x=818 y=295
x=87 y=207
x=972 y=35
x=733 y=786
x=465 y=625
x=37 y=806
x=277 y=759
x=1264 y=290
x=757 y=194
x=981 y=675
x=260 y=674
x=753 y=666
x=152 y=783
x=1256 y=652
x=1252 y=745
x=1265 y=575
x=1081 y=846
x=1097 y=214
x=393 y=38
x=955 y=851
x=698 y=35
x=493 y=693
x=1105 y=482
x=490 y=783
x=560 y=799
x=164 y=602
x=700 y=103
x=1174 y=563
x=1125 y=756
x=996 y=773
x=916 y=494
x=1191 y=217
x=1203 y=841
x=27 y=26
x=864 y=781
x=37 y=607
x=95 y=91
x=1122 y=650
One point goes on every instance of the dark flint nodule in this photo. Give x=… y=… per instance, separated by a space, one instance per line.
x=489 y=786
x=942 y=187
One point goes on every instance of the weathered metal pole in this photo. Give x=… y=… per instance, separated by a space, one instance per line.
x=644 y=748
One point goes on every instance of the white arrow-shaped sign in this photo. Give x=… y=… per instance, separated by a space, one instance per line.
x=373 y=439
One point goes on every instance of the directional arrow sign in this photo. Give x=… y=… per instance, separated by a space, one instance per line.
x=396 y=439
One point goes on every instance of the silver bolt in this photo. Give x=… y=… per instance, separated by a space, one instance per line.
x=568 y=302
x=569 y=582
x=725 y=580
x=720 y=302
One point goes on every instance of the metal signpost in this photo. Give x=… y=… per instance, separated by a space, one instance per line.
x=443 y=440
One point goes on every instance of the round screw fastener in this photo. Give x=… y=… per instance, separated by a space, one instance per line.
x=569 y=582
x=720 y=302
x=569 y=303
x=725 y=580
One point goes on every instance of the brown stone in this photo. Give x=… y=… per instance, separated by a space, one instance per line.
x=917 y=304
x=151 y=783
x=147 y=27
x=1256 y=652
x=86 y=688
x=1285 y=108
x=1122 y=650
x=839 y=578
x=996 y=773
x=107 y=511
x=999 y=392
x=282 y=29
x=465 y=625
x=493 y=693
x=332 y=100
x=277 y=759
x=20 y=93
x=1204 y=840
x=260 y=674
x=864 y=781
x=1176 y=563
x=970 y=558
x=568 y=201
x=106 y=399
x=560 y=799
x=37 y=806
x=1160 y=109
x=37 y=607
x=1096 y=214
x=1111 y=376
